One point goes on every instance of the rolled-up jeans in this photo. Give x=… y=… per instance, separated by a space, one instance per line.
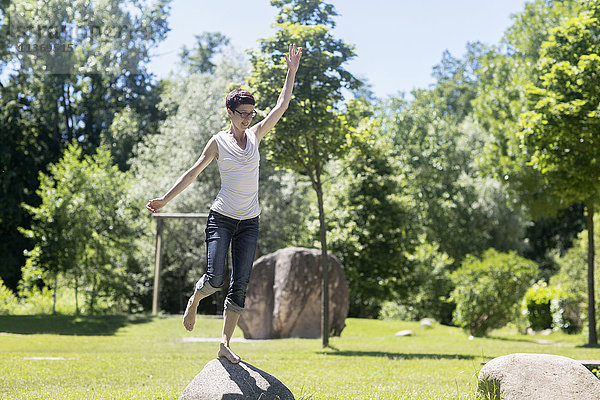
x=243 y=236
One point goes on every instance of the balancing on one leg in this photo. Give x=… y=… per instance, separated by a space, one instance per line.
x=234 y=215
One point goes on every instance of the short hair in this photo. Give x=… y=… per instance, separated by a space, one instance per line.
x=237 y=97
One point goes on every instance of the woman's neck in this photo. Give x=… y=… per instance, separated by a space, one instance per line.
x=237 y=133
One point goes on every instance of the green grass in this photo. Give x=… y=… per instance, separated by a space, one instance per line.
x=141 y=357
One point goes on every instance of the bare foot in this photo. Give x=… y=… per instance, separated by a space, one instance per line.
x=189 y=316
x=226 y=352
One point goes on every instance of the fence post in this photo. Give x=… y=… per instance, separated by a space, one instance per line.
x=157 y=264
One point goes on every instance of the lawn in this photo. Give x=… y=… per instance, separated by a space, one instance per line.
x=142 y=357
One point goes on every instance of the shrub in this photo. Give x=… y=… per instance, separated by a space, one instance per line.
x=430 y=285
x=538 y=301
x=35 y=301
x=567 y=312
x=8 y=300
x=397 y=311
x=571 y=279
x=488 y=292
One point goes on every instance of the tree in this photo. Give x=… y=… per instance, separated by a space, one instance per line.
x=548 y=234
x=99 y=68
x=373 y=223
x=560 y=131
x=312 y=131
x=459 y=208
x=47 y=98
x=199 y=58
x=504 y=72
x=85 y=225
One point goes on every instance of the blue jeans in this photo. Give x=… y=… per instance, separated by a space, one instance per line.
x=243 y=236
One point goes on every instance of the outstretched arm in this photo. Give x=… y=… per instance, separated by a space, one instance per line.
x=210 y=151
x=293 y=61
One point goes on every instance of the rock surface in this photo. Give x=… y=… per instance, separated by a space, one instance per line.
x=426 y=323
x=222 y=380
x=524 y=376
x=284 y=296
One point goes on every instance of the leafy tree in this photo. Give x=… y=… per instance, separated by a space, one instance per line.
x=43 y=106
x=199 y=58
x=20 y=155
x=436 y=146
x=373 y=220
x=439 y=144
x=76 y=93
x=504 y=72
x=555 y=233
x=427 y=286
x=456 y=82
x=84 y=227
x=560 y=131
x=459 y=208
x=312 y=131
x=488 y=291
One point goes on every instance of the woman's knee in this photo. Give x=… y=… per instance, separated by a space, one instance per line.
x=206 y=286
x=216 y=281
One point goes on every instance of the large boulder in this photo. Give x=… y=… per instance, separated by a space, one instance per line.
x=523 y=376
x=222 y=380
x=284 y=296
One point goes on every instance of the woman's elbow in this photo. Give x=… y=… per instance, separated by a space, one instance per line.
x=282 y=107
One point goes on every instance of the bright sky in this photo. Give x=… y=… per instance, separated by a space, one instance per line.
x=397 y=41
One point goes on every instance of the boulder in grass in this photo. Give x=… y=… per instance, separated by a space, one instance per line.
x=524 y=376
x=284 y=296
x=426 y=323
x=222 y=380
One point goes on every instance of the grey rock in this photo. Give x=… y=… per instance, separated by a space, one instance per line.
x=524 y=376
x=283 y=298
x=222 y=380
x=426 y=323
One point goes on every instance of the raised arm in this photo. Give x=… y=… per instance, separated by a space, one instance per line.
x=210 y=151
x=293 y=61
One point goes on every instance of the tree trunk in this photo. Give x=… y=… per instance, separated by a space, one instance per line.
x=93 y=294
x=76 y=295
x=363 y=308
x=592 y=337
x=54 y=301
x=67 y=109
x=325 y=266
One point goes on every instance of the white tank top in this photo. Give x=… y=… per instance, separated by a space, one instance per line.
x=238 y=197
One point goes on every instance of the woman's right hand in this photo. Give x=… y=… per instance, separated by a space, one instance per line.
x=155 y=204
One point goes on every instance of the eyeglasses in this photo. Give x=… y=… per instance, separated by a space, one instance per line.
x=246 y=115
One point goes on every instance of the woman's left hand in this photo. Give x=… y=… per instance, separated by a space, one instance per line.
x=293 y=58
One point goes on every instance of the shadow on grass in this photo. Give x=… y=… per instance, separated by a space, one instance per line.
x=506 y=339
x=83 y=325
x=399 y=356
x=588 y=346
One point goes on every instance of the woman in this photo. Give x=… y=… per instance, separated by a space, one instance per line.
x=233 y=216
